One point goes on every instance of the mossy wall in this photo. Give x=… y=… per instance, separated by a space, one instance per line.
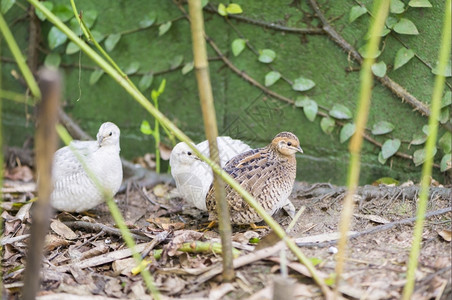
x=243 y=110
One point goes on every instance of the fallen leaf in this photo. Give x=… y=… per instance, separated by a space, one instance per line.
x=62 y=230
x=324 y=237
x=165 y=151
x=124 y=266
x=445 y=234
x=53 y=241
x=160 y=190
x=373 y=218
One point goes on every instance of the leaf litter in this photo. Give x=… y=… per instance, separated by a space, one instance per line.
x=87 y=259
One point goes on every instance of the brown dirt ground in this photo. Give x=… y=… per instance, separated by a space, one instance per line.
x=375 y=267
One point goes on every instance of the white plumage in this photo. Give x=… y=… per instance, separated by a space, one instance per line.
x=73 y=190
x=193 y=176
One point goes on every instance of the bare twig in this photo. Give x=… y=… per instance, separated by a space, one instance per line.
x=97 y=227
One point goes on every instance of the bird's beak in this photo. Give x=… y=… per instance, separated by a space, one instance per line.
x=100 y=138
x=299 y=149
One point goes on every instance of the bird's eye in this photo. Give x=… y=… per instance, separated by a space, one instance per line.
x=188 y=153
x=289 y=144
x=111 y=133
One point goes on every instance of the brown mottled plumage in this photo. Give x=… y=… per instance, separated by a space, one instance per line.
x=268 y=174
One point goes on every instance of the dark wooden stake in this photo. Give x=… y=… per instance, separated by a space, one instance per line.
x=46 y=141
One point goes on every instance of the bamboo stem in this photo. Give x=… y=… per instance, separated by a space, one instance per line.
x=28 y=76
x=381 y=7
x=444 y=56
x=46 y=143
x=210 y=127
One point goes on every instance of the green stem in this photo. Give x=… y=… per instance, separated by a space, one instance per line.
x=28 y=76
x=157 y=138
x=444 y=56
x=381 y=7
x=181 y=136
x=13 y=96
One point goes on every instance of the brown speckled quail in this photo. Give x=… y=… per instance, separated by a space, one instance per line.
x=268 y=174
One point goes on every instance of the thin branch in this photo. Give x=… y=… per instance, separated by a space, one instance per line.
x=97 y=227
x=273 y=26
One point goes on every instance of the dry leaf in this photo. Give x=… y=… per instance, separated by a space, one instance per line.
x=373 y=218
x=165 y=151
x=62 y=230
x=166 y=224
x=160 y=190
x=53 y=241
x=445 y=234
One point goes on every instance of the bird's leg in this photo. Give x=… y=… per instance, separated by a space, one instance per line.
x=254 y=226
x=209 y=226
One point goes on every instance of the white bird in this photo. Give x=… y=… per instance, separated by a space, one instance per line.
x=73 y=189
x=193 y=176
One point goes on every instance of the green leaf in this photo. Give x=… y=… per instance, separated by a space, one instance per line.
x=238 y=45
x=187 y=68
x=419 y=156
x=254 y=240
x=164 y=28
x=327 y=124
x=447 y=71
x=204 y=3
x=95 y=76
x=405 y=26
x=425 y=129
x=379 y=69
x=418 y=139
x=403 y=56
x=397 y=6
x=6 y=5
x=390 y=148
x=148 y=20
x=72 y=48
x=363 y=51
x=154 y=95
x=310 y=107
x=381 y=160
x=444 y=115
x=222 y=10
x=98 y=36
x=145 y=128
x=46 y=4
x=56 y=38
x=382 y=127
x=446 y=162
x=177 y=61
x=391 y=21
x=132 y=68
x=302 y=84
x=447 y=99
x=75 y=26
x=445 y=142
x=111 y=41
x=52 y=60
x=266 y=56
x=356 y=12
x=271 y=78
x=161 y=88
x=346 y=132
x=310 y=110
x=419 y=3
x=387 y=181
x=89 y=17
x=315 y=260
x=340 y=111
x=145 y=82
x=63 y=12
x=234 y=9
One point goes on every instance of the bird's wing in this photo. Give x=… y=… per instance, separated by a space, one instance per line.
x=65 y=162
x=228 y=148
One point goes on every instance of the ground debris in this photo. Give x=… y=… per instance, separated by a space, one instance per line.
x=86 y=257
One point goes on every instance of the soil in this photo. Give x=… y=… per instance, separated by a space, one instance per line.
x=375 y=264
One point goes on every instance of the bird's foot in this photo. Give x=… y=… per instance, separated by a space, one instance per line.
x=254 y=226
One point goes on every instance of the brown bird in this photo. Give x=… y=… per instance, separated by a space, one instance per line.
x=268 y=174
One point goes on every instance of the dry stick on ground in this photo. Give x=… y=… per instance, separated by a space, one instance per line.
x=46 y=142
x=97 y=227
x=210 y=126
x=378 y=228
x=385 y=80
